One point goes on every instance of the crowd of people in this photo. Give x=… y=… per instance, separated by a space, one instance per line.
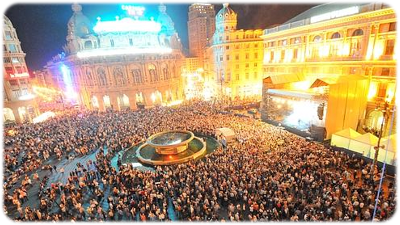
x=268 y=174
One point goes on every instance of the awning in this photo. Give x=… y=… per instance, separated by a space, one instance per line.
x=287 y=93
x=284 y=78
x=325 y=81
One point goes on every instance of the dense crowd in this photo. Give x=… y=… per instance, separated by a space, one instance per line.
x=268 y=174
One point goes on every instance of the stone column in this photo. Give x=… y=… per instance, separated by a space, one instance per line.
x=100 y=100
x=114 y=101
x=16 y=115
x=132 y=100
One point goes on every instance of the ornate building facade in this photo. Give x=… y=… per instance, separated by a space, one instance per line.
x=234 y=58
x=19 y=102
x=201 y=27
x=334 y=63
x=130 y=62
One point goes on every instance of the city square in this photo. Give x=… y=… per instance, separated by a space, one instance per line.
x=200 y=112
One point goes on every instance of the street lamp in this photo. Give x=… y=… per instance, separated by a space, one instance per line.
x=385 y=111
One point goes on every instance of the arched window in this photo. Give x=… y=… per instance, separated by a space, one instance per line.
x=119 y=77
x=88 y=45
x=335 y=35
x=102 y=76
x=317 y=39
x=358 y=32
x=153 y=73
x=137 y=75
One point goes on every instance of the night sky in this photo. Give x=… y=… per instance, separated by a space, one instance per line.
x=42 y=28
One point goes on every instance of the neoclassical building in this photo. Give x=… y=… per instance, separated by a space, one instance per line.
x=19 y=102
x=129 y=62
x=333 y=66
x=234 y=57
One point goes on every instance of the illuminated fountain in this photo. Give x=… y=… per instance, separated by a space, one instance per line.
x=171 y=147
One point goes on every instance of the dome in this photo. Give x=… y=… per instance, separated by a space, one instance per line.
x=226 y=12
x=226 y=18
x=165 y=20
x=78 y=24
x=5 y=18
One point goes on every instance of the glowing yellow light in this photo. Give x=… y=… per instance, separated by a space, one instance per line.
x=302 y=85
x=390 y=92
x=378 y=50
x=372 y=90
x=279 y=106
x=43 y=117
x=153 y=97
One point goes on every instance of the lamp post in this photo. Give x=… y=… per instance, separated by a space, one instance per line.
x=377 y=148
x=384 y=166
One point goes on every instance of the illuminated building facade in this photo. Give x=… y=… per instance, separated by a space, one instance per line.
x=235 y=57
x=201 y=27
x=130 y=62
x=332 y=66
x=19 y=102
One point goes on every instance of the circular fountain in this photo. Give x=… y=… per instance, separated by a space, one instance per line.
x=171 y=147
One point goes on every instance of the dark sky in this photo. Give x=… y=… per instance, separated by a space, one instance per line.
x=42 y=28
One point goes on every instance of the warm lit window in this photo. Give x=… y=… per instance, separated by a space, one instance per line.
x=335 y=35
x=282 y=54
x=295 y=53
x=227 y=47
x=272 y=56
x=255 y=64
x=247 y=65
x=256 y=55
x=392 y=26
x=247 y=55
x=237 y=57
x=13 y=82
x=385 y=72
x=227 y=57
x=237 y=76
x=389 y=50
x=9 y=70
x=357 y=32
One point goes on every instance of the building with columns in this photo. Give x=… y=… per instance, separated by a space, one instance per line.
x=201 y=27
x=333 y=67
x=19 y=102
x=130 y=62
x=234 y=58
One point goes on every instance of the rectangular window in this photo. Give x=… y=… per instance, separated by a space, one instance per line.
x=247 y=65
x=272 y=56
x=237 y=76
x=385 y=72
x=4 y=48
x=392 y=26
x=13 y=82
x=237 y=66
x=237 y=46
x=227 y=38
x=237 y=57
x=247 y=76
x=384 y=28
x=255 y=64
x=18 y=69
x=16 y=93
x=282 y=54
x=12 y=48
x=7 y=60
x=389 y=47
x=256 y=55
x=295 y=53
x=221 y=58
x=247 y=55
x=15 y=60
x=112 y=42
x=256 y=45
x=382 y=90
x=227 y=57
x=9 y=70
x=8 y=35
x=227 y=47
x=130 y=42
